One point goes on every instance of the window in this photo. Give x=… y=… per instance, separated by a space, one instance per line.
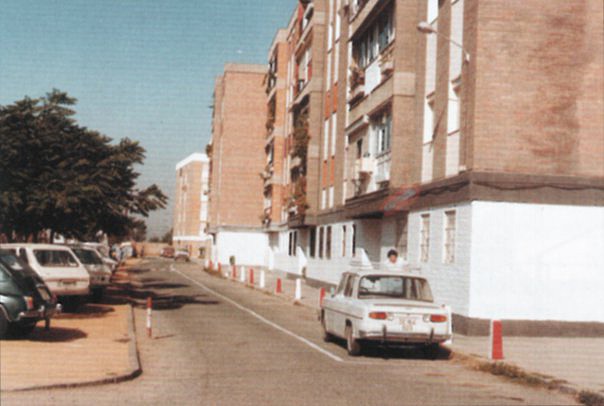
x=328 y=243
x=55 y=258
x=338 y=20
x=342 y=284
x=293 y=243
x=383 y=129
x=336 y=64
x=312 y=242
x=359 y=149
x=328 y=72
x=343 y=241
x=321 y=241
x=449 y=254
x=425 y=238
x=354 y=240
x=334 y=124
x=377 y=38
x=87 y=257
x=402 y=236
x=400 y=287
x=326 y=128
x=323 y=198
x=349 y=285
x=3 y=274
x=330 y=197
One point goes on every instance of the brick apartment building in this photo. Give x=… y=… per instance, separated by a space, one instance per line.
x=237 y=160
x=477 y=150
x=191 y=205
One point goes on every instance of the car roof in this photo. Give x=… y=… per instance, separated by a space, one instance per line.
x=35 y=246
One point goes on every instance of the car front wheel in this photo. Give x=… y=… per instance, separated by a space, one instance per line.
x=23 y=328
x=352 y=345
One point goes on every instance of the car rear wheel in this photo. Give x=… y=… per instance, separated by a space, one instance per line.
x=71 y=303
x=3 y=324
x=352 y=345
x=97 y=294
x=431 y=351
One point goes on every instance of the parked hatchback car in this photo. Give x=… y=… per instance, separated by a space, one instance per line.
x=24 y=297
x=393 y=308
x=181 y=256
x=167 y=252
x=58 y=267
x=100 y=274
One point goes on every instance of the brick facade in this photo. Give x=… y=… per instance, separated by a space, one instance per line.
x=237 y=155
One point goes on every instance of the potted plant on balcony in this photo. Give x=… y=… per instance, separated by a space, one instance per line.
x=270 y=123
x=357 y=75
x=386 y=64
x=299 y=150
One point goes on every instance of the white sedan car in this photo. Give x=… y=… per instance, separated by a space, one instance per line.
x=388 y=308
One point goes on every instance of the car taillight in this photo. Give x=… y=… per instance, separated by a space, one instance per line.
x=29 y=302
x=438 y=318
x=378 y=315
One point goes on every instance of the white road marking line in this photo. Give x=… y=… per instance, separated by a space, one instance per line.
x=264 y=320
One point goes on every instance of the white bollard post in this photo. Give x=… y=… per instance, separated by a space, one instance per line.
x=242 y=275
x=262 y=280
x=298 y=289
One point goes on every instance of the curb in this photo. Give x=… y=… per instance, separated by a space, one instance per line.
x=520 y=375
x=134 y=360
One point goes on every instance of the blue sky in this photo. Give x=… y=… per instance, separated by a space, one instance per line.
x=142 y=69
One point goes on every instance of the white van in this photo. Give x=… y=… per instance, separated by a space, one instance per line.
x=57 y=266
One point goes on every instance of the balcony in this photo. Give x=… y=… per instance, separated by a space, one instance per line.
x=365 y=166
x=382 y=167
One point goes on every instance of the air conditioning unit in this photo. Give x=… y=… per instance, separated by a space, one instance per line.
x=365 y=165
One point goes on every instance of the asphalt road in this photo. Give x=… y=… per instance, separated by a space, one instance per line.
x=218 y=343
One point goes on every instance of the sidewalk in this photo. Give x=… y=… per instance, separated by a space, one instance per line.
x=577 y=363
x=94 y=345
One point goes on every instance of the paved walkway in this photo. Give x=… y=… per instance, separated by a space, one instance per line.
x=576 y=361
x=90 y=345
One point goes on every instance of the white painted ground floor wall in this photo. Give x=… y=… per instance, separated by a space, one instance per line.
x=538 y=262
x=511 y=260
x=248 y=247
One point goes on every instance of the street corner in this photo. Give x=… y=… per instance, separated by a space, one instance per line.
x=93 y=345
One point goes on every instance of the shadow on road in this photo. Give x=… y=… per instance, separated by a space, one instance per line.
x=56 y=334
x=135 y=289
x=87 y=311
x=393 y=352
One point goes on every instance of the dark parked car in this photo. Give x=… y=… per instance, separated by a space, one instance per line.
x=24 y=297
x=167 y=252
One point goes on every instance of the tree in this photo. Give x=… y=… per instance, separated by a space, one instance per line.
x=167 y=238
x=57 y=175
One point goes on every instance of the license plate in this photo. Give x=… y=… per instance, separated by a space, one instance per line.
x=68 y=283
x=408 y=324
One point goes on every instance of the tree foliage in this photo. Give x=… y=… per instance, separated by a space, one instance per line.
x=58 y=175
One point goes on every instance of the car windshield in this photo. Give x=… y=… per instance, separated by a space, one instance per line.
x=55 y=258
x=399 y=287
x=88 y=257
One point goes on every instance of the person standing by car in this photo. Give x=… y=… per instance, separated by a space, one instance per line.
x=394 y=262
